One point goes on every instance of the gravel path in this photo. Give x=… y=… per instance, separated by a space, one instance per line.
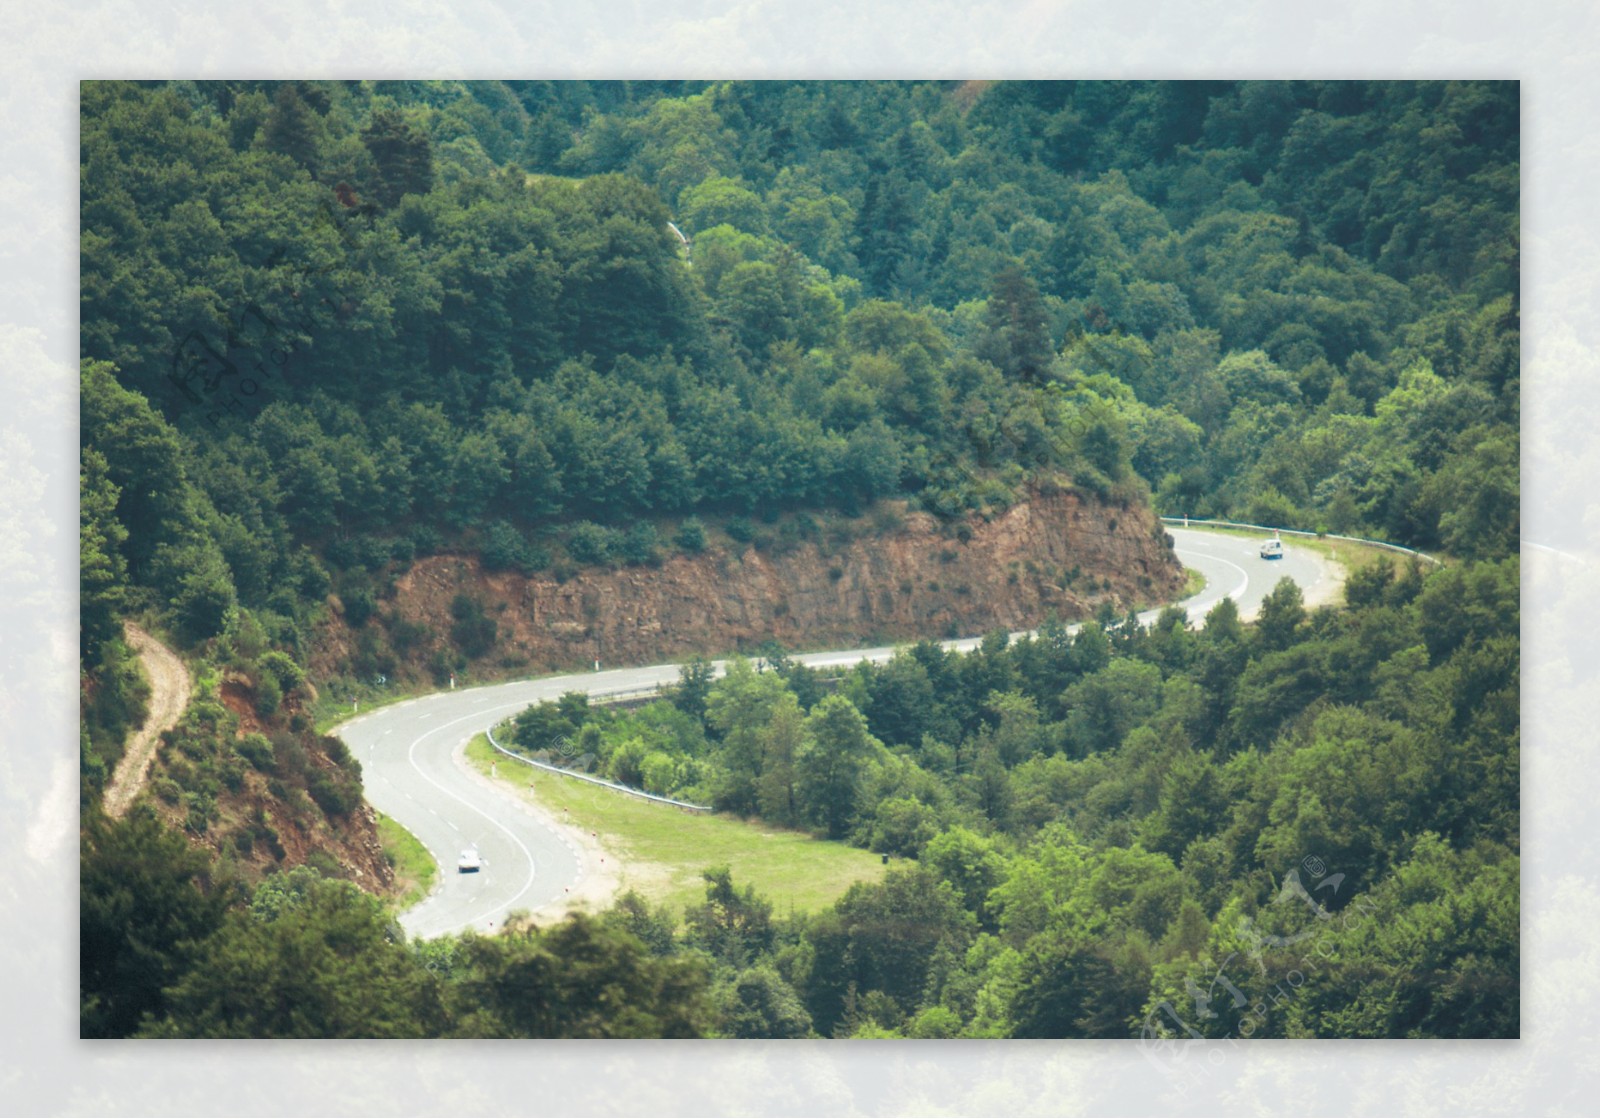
x=169 y=695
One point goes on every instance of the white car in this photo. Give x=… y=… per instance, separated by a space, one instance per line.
x=470 y=861
x=1272 y=549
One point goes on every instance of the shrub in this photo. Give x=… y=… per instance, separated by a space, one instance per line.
x=358 y=606
x=372 y=552
x=201 y=588
x=902 y=826
x=270 y=834
x=334 y=796
x=290 y=755
x=639 y=544
x=473 y=631
x=405 y=635
x=504 y=547
x=288 y=674
x=590 y=543
x=268 y=695
x=425 y=540
x=691 y=535
x=341 y=552
x=339 y=754
x=255 y=749
x=312 y=578
x=742 y=530
x=201 y=810
x=440 y=665
x=324 y=863
x=789 y=537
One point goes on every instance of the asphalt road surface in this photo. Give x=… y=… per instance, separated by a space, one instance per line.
x=408 y=751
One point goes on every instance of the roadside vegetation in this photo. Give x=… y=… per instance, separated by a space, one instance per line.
x=330 y=327
x=414 y=869
x=664 y=851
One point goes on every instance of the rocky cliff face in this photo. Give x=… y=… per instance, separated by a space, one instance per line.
x=1054 y=551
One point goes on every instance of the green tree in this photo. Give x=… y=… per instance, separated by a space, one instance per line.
x=402 y=153
x=733 y=925
x=694 y=687
x=782 y=741
x=147 y=907
x=292 y=127
x=144 y=463
x=691 y=535
x=582 y=978
x=830 y=768
x=203 y=597
x=740 y=706
x=882 y=937
x=1282 y=613
x=722 y=201
x=762 y=1005
x=102 y=572
x=472 y=630
x=901 y=707
x=1018 y=338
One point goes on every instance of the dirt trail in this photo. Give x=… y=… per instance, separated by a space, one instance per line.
x=169 y=695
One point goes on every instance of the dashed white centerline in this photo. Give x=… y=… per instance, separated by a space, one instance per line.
x=532 y=692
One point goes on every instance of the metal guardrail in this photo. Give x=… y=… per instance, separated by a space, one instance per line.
x=595 y=780
x=1184 y=522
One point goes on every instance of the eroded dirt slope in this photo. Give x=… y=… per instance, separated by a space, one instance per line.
x=1054 y=551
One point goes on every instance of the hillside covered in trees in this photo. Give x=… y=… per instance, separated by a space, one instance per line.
x=330 y=328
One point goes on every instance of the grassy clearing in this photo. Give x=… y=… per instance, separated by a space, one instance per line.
x=414 y=868
x=663 y=849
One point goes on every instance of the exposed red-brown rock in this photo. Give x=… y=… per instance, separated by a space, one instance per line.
x=1055 y=551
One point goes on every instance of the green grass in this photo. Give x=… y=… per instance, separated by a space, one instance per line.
x=328 y=712
x=663 y=849
x=414 y=868
x=1194 y=583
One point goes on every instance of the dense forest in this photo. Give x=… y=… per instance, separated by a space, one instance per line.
x=330 y=327
x=1096 y=824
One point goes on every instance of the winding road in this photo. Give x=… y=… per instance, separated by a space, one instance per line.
x=410 y=751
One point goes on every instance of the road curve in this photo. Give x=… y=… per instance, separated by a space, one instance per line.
x=411 y=770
